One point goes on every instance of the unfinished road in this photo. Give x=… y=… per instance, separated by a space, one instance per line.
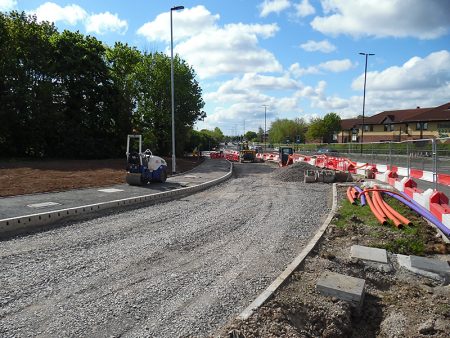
x=180 y=268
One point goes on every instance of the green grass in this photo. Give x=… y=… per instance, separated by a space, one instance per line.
x=409 y=240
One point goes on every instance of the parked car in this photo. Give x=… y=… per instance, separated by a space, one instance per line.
x=327 y=151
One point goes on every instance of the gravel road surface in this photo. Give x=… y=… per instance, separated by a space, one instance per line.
x=181 y=268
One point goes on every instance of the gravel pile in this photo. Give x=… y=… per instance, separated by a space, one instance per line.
x=292 y=173
x=181 y=268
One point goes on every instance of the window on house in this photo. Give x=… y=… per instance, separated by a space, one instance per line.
x=392 y=127
x=389 y=127
x=421 y=126
x=386 y=127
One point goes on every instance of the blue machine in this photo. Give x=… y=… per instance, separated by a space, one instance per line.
x=144 y=167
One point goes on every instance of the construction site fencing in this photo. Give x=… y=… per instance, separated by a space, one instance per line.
x=426 y=159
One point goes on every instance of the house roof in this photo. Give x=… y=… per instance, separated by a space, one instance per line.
x=348 y=124
x=439 y=113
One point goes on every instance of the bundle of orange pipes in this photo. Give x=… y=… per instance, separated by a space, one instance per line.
x=379 y=207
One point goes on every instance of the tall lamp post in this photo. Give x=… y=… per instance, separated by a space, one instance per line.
x=364 y=100
x=265 y=126
x=176 y=8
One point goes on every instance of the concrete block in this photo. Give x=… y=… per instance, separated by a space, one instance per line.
x=429 y=264
x=424 y=198
x=369 y=254
x=344 y=287
x=405 y=262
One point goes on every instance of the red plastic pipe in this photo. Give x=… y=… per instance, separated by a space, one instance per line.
x=386 y=211
x=350 y=196
x=377 y=215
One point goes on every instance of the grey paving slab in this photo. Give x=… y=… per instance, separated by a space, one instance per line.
x=429 y=264
x=368 y=253
x=405 y=261
x=344 y=287
x=24 y=205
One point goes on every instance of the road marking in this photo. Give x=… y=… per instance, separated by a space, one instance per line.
x=43 y=205
x=190 y=176
x=109 y=190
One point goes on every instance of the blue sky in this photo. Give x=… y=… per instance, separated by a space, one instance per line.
x=298 y=57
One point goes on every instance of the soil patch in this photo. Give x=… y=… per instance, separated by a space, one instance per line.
x=29 y=177
x=397 y=303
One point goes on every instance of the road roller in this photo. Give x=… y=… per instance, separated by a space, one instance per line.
x=143 y=167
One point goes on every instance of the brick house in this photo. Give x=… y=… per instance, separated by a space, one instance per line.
x=399 y=125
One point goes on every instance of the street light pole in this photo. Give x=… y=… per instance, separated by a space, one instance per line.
x=172 y=88
x=265 y=126
x=364 y=99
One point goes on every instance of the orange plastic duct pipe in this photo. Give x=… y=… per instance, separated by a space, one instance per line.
x=354 y=193
x=377 y=215
x=350 y=196
x=377 y=205
x=397 y=215
x=392 y=211
x=386 y=211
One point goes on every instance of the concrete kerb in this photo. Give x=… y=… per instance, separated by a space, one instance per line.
x=9 y=226
x=267 y=293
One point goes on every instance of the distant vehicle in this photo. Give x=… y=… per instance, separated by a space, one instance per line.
x=327 y=151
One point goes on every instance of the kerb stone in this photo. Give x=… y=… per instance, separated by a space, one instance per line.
x=429 y=264
x=344 y=287
x=369 y=254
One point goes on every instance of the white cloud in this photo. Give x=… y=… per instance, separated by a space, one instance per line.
x=273 y=6
x=304 y=8
x=73 y=14
x=425 y=74
x=335 y=66
x=186 y=23
x=323 y=46
x=105 y=22
x=70 y=14
x=382 y=18
x=7 y=5
x=423 y=82
x=242 y=98
x=231 y=49
x=213 y=50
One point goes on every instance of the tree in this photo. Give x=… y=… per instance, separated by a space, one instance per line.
x=251 y=136
x=325 y=128
x=283 y=130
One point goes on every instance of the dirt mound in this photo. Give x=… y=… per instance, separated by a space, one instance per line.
x=292 y=173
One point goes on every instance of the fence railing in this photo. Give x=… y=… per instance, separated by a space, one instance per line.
x=431 y=156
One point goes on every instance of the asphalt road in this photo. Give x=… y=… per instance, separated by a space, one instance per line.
x=181 y=268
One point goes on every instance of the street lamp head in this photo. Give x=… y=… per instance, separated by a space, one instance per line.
x=177 y=8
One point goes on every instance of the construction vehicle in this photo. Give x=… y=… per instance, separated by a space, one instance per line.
x=246 y=154
x=143 y=167
x=285 y=156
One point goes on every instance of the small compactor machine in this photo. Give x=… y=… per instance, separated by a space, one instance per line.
x=143 y=167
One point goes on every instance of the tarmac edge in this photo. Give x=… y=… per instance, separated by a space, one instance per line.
x=22 y=224
x=270 y=290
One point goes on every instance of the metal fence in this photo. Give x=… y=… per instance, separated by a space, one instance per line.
x=429 y=155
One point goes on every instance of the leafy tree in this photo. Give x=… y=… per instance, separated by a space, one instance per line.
x=324 y=128
x=251 y=136
x=284 y=129
x=69 y=95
